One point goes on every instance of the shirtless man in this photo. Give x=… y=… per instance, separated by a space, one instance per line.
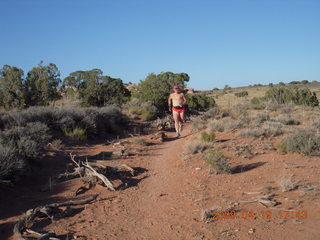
x=177 y=102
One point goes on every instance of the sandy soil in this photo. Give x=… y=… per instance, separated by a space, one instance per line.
x=170 y=192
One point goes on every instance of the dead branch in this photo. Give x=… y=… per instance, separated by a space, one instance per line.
x=49 y=211
x=103 y=178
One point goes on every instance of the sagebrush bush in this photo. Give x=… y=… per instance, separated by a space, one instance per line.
x=208 y=137
x=11 y=164
x=215 y=125
x=28 y=141
x=142 y=110
x=241 y=94
x=198 y=123
x=195 y=146
x=26 y=132
x=217 y=161
x=302 y=141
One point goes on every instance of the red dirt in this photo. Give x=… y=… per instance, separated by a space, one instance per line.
x=167 y=198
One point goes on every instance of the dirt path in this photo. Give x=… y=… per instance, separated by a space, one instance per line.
x=166 y=199
x=161 y=207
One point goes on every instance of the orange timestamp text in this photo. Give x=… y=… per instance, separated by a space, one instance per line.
x=266 y=214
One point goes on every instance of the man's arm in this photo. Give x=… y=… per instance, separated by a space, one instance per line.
x=170 y=102
x=185 y=102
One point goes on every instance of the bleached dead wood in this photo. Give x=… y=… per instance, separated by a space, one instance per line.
x=103 y=178
x=25 y=223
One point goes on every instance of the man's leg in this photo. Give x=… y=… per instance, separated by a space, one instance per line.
x=176 y=121
x=181 y=121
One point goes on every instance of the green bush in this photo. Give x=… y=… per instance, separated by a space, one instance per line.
x=208 y=137
x=200 y=102
x=95 y=89
x=301 y=142
x=217 y=161
x=241 y=94
x=157 y=87
x=298 y=96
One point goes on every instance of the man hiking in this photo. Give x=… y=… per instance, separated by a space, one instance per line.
x=177 y=104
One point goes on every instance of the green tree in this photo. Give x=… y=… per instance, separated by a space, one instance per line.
x=42 y=83
x=97 y=90
x=298 y=96
x=200 y=102
x=157 y=87
x=12 y=92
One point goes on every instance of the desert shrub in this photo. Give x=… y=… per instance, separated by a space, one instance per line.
x=234 y=124
x=28 y=141
x=212 y=113
x=316 y=123
x=298 y=96
x=248 y=132
x=198 y=123
x=76 y=133
x=267 y=129
x=257 y=103
x=286 y=120
x=208 y=137
x=141 y=110
x=200 y=102
x=215 y=125
x=141 y=141
x=272 y=129
x=11 y=164
x=287 y=108
x=241 y=94
x=57 y=144
x=261 y=117
x=302 y=141
x=157 y=87
x=217 y=161
x=195 y=146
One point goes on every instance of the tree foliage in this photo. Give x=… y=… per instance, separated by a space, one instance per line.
x=96 y=89
x=157 y=87
x=200 y=102
x=42 y=83
x=298 y=96
x=12 y=91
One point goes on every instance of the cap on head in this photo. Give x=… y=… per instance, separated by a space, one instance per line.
x=176 y=87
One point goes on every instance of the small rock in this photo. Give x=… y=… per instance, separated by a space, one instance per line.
x=251 y=230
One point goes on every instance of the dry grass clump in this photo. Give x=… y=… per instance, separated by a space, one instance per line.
x=217 y=161
x=216 y=125
x=286 y=120
x=141 y=141
x=208 y=137
x=198 y=123
x=267 y=129
x=195 y=146
x=57 y=144
x=302 y=141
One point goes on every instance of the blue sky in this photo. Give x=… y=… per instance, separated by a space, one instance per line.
x=238 y=42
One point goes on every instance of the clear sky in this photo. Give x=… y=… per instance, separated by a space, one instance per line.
x=238 y=42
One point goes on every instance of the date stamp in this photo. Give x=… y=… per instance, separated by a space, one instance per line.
x=265 y=214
